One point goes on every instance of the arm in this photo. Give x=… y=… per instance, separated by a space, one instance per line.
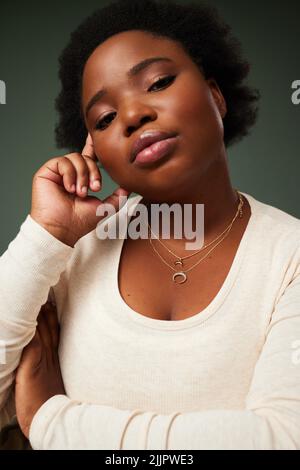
x=270 y=420
x=29 y=267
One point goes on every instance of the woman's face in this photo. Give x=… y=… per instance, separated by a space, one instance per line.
x=184 y=103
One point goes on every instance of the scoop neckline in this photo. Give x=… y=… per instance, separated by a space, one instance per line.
x=212 y=308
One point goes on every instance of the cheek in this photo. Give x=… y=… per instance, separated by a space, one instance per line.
x=199 y=116
x=112 y=160
x=104 y=151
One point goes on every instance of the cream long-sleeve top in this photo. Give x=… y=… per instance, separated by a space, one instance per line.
x=225 y=378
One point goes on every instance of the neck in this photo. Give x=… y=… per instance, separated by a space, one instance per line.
x=214 y=190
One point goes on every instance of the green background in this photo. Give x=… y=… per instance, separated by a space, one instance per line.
x=32 y=34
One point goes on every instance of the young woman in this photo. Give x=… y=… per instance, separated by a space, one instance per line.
x=155 y=346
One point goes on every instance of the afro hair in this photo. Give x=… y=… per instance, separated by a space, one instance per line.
x=198 y=27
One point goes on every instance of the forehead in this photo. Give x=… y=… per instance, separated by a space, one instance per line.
x=118 y=53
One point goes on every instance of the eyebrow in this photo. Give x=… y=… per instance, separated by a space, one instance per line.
x=133 y=71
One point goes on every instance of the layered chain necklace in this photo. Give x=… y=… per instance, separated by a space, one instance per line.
x=179 y=277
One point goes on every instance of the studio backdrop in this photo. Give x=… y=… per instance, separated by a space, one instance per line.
x=265 y=164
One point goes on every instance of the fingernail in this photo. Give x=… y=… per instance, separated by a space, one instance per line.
x=84 y=189
x=73 y=187
x=96 y=184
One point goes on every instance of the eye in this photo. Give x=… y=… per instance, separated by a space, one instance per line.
x=99 y=124
x=102 y=123
x=164 y=80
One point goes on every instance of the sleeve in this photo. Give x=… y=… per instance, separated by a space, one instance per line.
x=269 y=421
x=30 y=266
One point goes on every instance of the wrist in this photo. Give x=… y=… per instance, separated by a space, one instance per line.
x=60 y=233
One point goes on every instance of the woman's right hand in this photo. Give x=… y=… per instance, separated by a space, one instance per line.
x=65 y=212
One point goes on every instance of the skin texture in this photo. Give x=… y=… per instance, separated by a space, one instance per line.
x=38 y=376
x=190 y=105
x=60 y=203
x=196 y=172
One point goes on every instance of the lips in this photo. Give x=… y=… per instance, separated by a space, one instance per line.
x=148 y=138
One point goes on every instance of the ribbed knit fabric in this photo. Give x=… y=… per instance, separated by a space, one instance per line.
x=226 y=378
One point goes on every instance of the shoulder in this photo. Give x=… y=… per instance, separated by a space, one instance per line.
x=275 y=235
x=273 y=217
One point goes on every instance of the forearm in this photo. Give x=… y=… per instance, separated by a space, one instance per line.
x=32 y=264
x=65 y=424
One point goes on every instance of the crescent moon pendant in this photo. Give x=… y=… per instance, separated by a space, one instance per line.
x=178 y=262
x=180 y=274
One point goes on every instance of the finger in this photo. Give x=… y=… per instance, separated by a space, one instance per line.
x=114 y=198
x=95 y=177
x=88 y=149
x=43 y=329
x=50 y=315
x=82 y=173
x=50 y=344
x=68 y=172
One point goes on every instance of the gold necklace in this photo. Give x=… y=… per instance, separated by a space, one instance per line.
x=240 y=210
x=182 y=274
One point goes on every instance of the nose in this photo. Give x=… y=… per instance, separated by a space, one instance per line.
x=135 y=115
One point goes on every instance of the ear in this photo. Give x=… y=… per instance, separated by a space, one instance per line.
x=218 y=96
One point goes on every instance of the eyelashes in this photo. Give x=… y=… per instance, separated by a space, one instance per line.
x=102 y=123
x=167 y=80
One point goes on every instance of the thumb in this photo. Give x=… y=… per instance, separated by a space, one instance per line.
x=118 y=198
x=90 y=204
